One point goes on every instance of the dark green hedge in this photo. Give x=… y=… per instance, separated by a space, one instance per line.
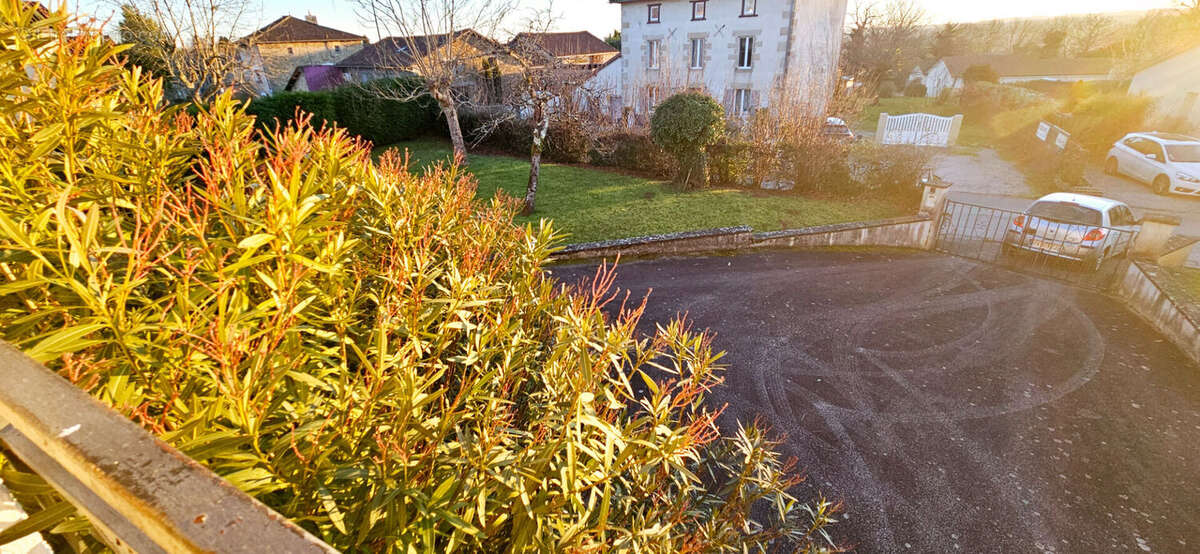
x=370 y=111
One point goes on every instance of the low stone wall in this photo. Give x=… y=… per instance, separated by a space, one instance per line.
x=904 y=232
x=1144 y=295
x=711 y=240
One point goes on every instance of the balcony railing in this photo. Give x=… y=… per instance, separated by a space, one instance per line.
x=140 y=494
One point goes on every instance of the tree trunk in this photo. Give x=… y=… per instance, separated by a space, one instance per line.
x=450 y=111
x=535 y=156
x=535 y=170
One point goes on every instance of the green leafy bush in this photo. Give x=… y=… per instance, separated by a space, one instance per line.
x=284 y=107
x=730 y=161
x=371 y=352
x=981 y=73
x=633 y=152
x=1100 y=120
x=916 y=89
x=375 y=111
x=891 y=171
x=1047 y=168
x=684 y=125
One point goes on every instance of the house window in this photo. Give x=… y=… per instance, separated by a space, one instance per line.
x=653 y=49
x=652 y=96
x=699 y=7
x=337 y=48
x=749 y=8
x=290 y=52
x=742 y=101
x=654 y=13
x=697 y=53
x=745 y=52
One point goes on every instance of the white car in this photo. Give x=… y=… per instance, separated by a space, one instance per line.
x=1168 y=163
x=1075 y=227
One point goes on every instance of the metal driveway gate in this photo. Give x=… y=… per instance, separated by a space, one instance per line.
x=1023 y=243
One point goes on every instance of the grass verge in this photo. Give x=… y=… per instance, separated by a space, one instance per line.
x=591 y=204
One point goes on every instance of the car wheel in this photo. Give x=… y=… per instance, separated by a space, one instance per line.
x=1162 y=184
x=1111 y=167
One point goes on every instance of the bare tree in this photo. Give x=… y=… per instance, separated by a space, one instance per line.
x=1088 y=32
x=550 y=93
x=443 y=42
x=1019 y=35
x=885 y=39
x=200 y=53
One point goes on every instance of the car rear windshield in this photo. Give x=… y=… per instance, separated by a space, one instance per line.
x=1067 y=213
x=1185 y=153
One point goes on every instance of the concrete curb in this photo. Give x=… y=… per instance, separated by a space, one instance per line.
x=902 y=232
x=1144 y=296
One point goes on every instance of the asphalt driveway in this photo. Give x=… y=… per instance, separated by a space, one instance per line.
x=952 y=406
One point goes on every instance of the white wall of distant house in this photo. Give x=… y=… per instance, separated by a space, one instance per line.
x=1174 y=84
x=939 y=78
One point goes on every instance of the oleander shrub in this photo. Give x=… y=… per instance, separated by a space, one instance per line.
x=684 y=125
x=375 y=354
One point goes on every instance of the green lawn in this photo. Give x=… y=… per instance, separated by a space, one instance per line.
x=972 y=134
x=591 y=204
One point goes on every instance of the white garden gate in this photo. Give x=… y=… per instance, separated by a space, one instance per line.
x=920 y=129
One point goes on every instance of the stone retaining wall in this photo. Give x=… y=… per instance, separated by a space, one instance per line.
x=904 y=232
x=1144 y=295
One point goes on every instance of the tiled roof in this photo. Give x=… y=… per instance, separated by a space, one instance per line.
x=399 y=52
x=293 y=29
x=579 y=43
x=1017 y=65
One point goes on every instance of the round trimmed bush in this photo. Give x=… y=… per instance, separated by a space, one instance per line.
x=684 y=125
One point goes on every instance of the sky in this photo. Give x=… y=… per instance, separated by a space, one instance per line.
x=601 y=18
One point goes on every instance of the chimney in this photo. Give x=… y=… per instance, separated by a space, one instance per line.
x=310 y=18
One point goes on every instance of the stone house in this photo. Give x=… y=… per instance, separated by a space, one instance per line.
x=289 y=42
x=748 y=54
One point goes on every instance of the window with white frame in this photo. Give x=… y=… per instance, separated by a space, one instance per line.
x=653 y=52
x=742 y=101
x=697 y=60
x=699 y=8
x=749 y=8
x=745 y=52
x=652 y=95
x=654 y=13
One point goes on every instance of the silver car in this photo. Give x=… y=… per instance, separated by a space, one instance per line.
x=1074 y=227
